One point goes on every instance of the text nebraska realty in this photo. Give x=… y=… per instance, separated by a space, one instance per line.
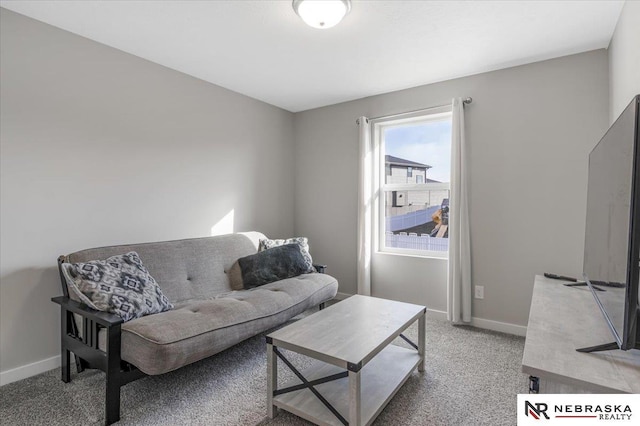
x=603 y=412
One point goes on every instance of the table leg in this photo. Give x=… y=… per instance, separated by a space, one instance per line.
x=355 y=406
x=421 y=340
x=272 y=380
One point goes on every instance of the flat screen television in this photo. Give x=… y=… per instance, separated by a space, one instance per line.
x=612 y=237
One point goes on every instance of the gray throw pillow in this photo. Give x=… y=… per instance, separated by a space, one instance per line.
x=235 y=276
x=301 y=241
x=271 y=265
x=121 y=285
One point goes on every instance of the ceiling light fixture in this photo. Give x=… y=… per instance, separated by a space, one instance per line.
x=322 y=13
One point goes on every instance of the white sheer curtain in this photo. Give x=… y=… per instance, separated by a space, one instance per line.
x=459 y=285
x=365 y=201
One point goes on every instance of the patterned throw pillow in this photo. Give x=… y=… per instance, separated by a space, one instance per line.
x=120 y=285
x=301 y=241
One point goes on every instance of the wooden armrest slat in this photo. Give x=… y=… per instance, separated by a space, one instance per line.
x=103 y=318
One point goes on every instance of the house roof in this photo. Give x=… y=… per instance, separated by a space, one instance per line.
x=397 y=161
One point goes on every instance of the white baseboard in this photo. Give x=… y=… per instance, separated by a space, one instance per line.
x=503 y=327
x=437 y=314
x=19 y=373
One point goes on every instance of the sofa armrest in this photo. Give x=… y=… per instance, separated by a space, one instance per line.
x=88 y=354
x=320 y=268
x=105 y=319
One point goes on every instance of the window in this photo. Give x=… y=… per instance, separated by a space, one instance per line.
x=413 y=162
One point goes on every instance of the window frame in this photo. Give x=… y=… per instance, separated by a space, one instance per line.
x=380 y=187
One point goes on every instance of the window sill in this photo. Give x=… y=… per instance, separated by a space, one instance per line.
x=403 y=253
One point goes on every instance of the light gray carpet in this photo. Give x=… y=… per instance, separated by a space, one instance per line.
x=472 y=377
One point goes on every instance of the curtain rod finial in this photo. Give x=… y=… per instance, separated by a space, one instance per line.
x=467 y=100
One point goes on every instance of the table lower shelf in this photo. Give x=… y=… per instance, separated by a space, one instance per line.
x=380 y=380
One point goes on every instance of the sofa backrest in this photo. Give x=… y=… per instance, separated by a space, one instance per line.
x=185 y=269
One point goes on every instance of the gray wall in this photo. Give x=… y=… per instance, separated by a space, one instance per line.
x=624 y=59
x=530 y=129
x=100 y=147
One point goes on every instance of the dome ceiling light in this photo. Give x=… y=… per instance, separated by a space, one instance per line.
x=322 y=13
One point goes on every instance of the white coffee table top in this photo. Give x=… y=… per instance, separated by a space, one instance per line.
x=352 y=331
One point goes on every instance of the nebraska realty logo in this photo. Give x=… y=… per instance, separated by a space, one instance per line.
x=578 y=409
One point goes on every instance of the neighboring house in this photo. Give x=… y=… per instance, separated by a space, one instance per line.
x=399 y=171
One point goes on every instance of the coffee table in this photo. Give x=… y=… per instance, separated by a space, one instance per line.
x=357 y=371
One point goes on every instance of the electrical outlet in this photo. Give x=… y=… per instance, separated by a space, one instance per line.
x=479 y=291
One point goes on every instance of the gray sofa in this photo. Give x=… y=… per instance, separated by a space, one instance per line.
x=207 y=318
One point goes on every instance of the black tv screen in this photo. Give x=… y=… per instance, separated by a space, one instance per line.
x=612 y=238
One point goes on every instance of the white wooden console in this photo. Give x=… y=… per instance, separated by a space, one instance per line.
x=561 y=320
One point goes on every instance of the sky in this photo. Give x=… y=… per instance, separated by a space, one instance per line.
x=424 y=143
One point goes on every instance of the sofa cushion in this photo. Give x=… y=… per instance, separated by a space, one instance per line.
x=196 y=329
x=266 y=244
x=120 y=285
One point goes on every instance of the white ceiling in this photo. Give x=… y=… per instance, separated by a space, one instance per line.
x=263 y=49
